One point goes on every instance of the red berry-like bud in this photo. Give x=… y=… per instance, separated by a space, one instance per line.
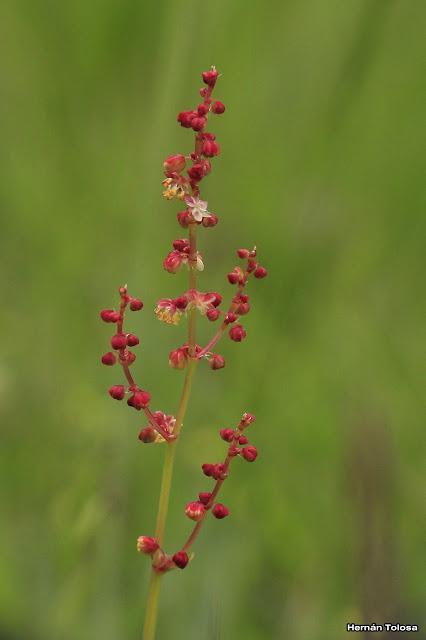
x=217 y=361
x=243 y=253
x=132 y=340
x=178 y=359
x=139 y=400
x=196 y=172
x=181 y=559
x=233 y=277
x=136 y=304
x=251 y=266
x=210 y=149
x=217 y=298
x=117 y=391
x=242 y=440
x=181 y=244
x=107 y=315
x=204 y=497
x=220 y=511
x=210 y=77
x=109 y=359
x=208 y=469
x=185 y=118
x=210 y=221
x=184 y=218
x=230 y=317
x=174 y=164
x=202 y=109
x=198 y=123
x=227 y=434
x=172 y=262
x=213 y=314
x=147 y=435
x=118 y=341
x=220 y=472
x=243 y=308
x=218 y=107
x=260 y=272
x=195 y=510
x=127 y=356
x=148 y=545
x=249 y=453
x=237 y=333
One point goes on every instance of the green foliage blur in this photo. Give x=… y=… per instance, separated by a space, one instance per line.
x=322 y=155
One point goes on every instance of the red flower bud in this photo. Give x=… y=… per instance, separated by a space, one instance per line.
x=220 y=511
x=181 y=302
x=249 y=453
x=178 y=358
x=181 y=559
x=204 y=497
x=208 y=469
x=210 y=77
x=217 y=361
x=243 y=253
x=109 y=315
x=132 y=340
x=210 y=149
x=147 y=435
x=148 y=545
x=230 y=317
x=181 y=244
x=233 y=277
x=172 y=262
x=218 y=107
x=109 y=359
x=174 y=164
x=127 y=356
x=210 y=221
x=220 y=472
x=118 y=341
x=213 y=314
x=237 y=333
x=251 y=266
x=196 y=172
x=184 y=218
x=217 y=298
x=195 y=510
x=260 y=272
x=202 y=109
x=227 y=434
x=185 y=118
x=136 y=304
x=243 y=308
x=139 y=400
x=117 y=391
x=242 y=440
x=198 y=123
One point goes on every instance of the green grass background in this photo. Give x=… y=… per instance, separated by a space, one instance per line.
x=322 y=167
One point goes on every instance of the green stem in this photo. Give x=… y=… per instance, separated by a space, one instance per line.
x=166 y=481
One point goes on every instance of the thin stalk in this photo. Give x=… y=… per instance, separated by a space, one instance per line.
x=151 y=614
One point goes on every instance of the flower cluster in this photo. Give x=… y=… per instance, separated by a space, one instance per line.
x=183 y=176
x=238 y=445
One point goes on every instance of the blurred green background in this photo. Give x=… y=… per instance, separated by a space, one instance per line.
x=322 y=155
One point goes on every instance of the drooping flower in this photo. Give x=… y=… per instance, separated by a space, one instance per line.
x=167 y=311
x=201 y=301
x=197 y=208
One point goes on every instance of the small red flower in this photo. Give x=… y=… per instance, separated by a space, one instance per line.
x=117 y=391
x=109 y=359
x=249 y=453
x=139 y=400
x=237 y=333
x=220 y=511
x=195 y=510
x=148 y=545
x=218 y=107
x=181 y=559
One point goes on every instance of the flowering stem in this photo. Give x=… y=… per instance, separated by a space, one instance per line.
x=213 y=495
x=163 y=505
